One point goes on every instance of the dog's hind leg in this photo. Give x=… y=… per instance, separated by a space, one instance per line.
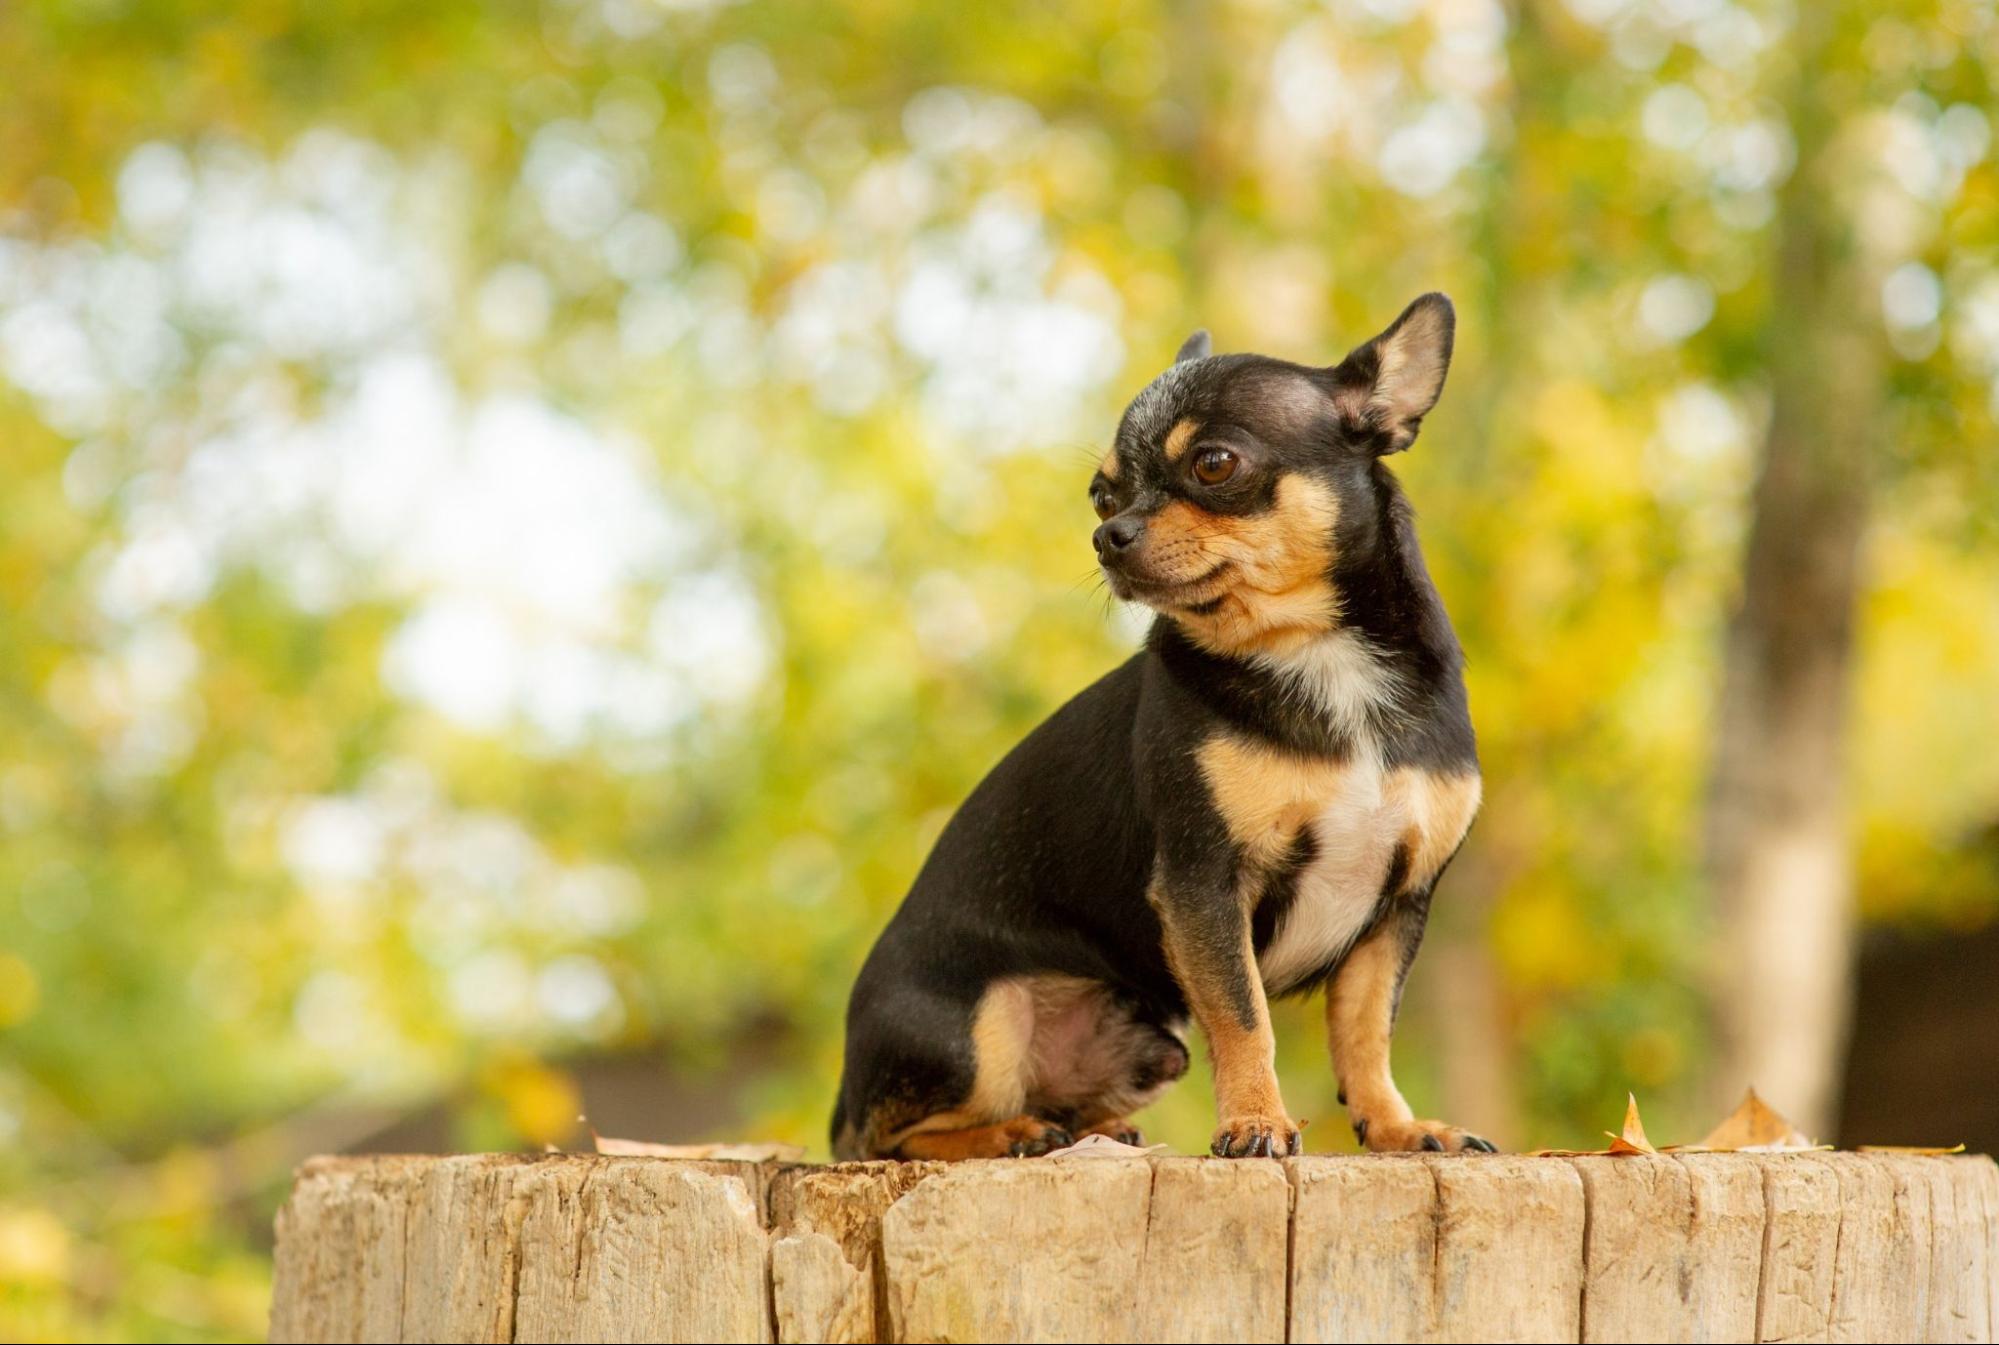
x=980 y=1112
x=1098 y=1057
x=1050 y=1056
x=1020 y=1137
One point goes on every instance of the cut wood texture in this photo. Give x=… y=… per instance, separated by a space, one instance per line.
x=1689 y=1247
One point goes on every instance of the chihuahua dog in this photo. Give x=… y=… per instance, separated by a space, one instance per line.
x=1259 y=803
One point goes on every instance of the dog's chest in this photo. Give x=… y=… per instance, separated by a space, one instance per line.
x=1354 y=831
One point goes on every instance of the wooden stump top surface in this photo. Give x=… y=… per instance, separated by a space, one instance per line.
x=491 y=1247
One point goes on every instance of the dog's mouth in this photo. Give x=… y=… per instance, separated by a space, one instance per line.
x=1177 y=594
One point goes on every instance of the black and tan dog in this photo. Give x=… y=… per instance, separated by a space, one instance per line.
x=1260 y=803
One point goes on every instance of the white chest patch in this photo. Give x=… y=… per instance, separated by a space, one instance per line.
x=1343 y=677
x=1356 y=811
x=1346 y=679
x=1355 y=836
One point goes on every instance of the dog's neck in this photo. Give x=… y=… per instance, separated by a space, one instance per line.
x=1352 y=684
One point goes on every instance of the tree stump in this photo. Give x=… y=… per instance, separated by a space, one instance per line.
x=1698 y=1247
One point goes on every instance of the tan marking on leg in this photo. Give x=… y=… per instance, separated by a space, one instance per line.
x=1002 y=1046
x=1360 y=1010
x=1018 y=1136
x=1245 y=1064
x=1360 y=1001
x=1248 y=1100
x=1440 y=808
x=1053 y=1044
x=1178 y=438
x=1360 y=1022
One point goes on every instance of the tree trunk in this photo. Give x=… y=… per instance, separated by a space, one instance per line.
x=1779 y=861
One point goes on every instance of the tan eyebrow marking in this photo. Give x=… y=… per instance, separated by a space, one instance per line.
x=1108 y=467
x=1177 y=441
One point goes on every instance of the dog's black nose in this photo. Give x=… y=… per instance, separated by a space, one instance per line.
x=1118 y=534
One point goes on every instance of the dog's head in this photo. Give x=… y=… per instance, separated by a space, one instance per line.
x=1222 y=497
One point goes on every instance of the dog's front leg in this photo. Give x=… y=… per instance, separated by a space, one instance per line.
x=1360 y=1017
x=1207 y=936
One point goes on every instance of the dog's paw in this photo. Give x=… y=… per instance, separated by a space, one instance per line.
x=1403 y=1137
x=1032 y=1137
x=1255 y=1136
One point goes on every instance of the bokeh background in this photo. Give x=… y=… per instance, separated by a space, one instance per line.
x=520 y=520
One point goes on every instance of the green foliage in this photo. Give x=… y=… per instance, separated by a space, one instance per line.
x=804 y=324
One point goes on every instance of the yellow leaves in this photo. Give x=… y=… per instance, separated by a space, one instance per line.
x=541 y=1104
x=1541 y=937
x=34 y=1247
x=1593 y=451
x=1926 y=776
x=20 y=990
x=186 y=1184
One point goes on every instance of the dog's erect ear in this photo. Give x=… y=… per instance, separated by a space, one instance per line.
x=1195 y=347
x=1386 y=386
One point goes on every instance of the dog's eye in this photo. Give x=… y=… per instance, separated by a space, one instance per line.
x=1101 y=501
x=1214 y=466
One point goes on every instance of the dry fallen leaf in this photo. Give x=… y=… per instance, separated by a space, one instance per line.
x=1753 y=1127
x=1630 y=1141
x=769 y=1152
x=1103 y=1146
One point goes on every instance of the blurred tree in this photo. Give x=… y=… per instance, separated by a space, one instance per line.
x=1779 y=845
x=1780 y=850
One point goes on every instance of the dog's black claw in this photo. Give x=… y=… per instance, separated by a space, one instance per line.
x=1131 y=1137
x=1360 y=1132
x=1480 y=1143
x=1260 y=1146
x=1054 y=1137
x=1294 y=1144
x=1433 y=1144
